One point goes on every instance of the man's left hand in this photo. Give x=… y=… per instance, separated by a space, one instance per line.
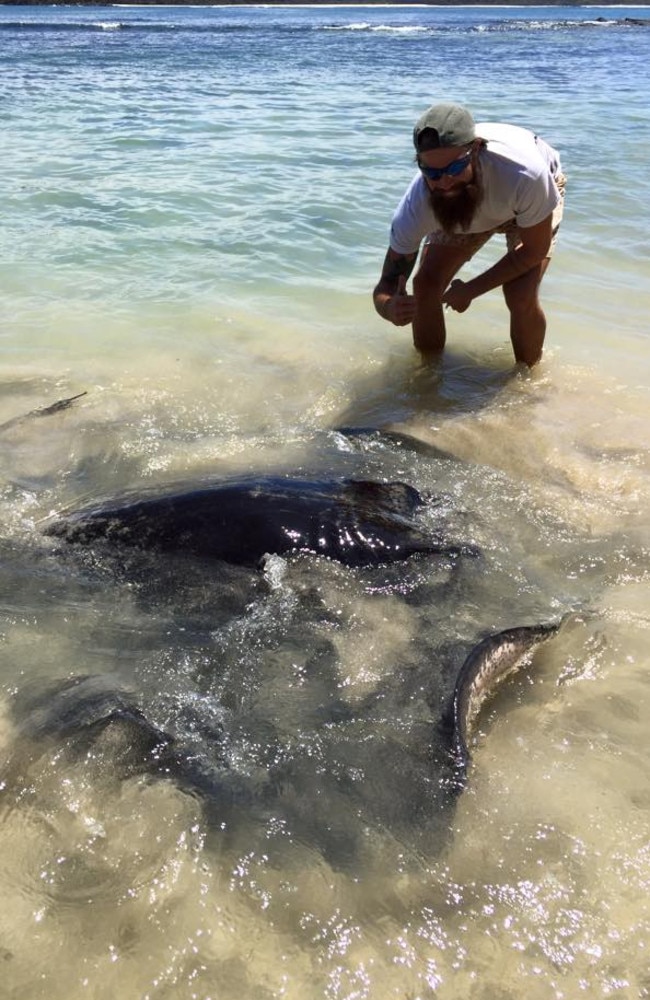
x=457 y=296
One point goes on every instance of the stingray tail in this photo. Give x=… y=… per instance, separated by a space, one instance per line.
x=485 y=668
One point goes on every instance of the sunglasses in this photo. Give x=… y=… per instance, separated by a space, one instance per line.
x=453 y=169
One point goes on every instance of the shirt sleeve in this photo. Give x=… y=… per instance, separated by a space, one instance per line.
x=536 y=199
x=413 y=218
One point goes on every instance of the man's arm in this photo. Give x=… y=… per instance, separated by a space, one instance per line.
x=389 y=296
x=535 y=244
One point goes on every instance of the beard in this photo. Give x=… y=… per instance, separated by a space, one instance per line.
x=456 y=209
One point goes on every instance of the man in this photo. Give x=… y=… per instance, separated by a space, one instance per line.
x=474 y=180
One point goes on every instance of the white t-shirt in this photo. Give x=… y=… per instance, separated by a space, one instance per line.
x=518 y=177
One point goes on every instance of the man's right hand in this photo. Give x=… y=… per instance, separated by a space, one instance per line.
x=391 y=299
x=400 y=307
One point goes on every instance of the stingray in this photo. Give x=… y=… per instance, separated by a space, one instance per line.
x=330 y=798
x=239 y=521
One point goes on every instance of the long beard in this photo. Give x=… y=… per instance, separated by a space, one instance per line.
x=456 y=211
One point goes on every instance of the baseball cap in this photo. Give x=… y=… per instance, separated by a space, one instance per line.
x=443 y=125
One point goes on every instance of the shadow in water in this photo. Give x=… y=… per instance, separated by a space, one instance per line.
x=411 y=385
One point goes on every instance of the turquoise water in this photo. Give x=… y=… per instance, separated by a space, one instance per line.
x=194 y=162
x=196 y=204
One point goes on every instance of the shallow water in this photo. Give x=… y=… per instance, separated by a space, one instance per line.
x=193 y=219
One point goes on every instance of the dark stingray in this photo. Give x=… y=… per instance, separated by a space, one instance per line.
x=342 y=782
x=356 y=522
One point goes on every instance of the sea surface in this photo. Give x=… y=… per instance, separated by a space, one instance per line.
x=195 y=208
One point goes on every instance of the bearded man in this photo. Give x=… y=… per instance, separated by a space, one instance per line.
x=473 y=181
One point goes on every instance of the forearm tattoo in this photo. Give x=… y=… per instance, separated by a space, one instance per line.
x=396 y=265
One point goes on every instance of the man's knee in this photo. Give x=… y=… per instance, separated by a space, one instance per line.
x=521 y=295
x=517 y=300
x=436 y=270
x=429 y=285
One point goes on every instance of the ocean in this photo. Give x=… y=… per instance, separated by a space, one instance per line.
x=196 y=207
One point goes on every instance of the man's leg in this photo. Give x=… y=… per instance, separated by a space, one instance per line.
x=527 y=319
x=439 y=264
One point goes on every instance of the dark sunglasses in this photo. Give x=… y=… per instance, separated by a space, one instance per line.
x=453 y=169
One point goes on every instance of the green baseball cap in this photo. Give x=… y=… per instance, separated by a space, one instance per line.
x=443 y=125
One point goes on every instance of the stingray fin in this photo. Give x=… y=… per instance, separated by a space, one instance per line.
x=488 y=664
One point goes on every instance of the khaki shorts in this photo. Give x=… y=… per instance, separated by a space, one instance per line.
x=474 y=241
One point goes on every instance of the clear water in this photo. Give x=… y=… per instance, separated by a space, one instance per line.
x=195 y=208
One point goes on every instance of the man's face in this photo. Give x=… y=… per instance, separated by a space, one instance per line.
x=454 y=193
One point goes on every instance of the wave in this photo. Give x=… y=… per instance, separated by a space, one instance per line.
x=497 y=27
x=400 y=29
x=220 y=27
